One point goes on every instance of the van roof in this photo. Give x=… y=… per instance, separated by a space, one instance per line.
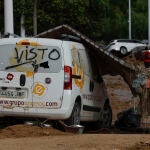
x=15 y=40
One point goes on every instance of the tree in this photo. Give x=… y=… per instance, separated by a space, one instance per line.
x=139 y=19
x=97 y=19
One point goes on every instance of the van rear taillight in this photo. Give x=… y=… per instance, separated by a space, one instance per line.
x=67 y=78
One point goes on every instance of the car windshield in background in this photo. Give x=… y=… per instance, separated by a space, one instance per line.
x=139 y=48
x=145 y=42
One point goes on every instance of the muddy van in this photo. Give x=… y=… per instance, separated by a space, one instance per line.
x=51 y=78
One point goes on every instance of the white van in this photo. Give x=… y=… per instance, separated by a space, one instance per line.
x=51 y=78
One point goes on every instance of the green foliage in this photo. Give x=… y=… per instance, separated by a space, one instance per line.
x=140 y=19
x=23 y=7
x=101 y=20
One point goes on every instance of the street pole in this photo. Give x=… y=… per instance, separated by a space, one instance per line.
x=22 y=21
x=35 y=18
x=148 y=22
x=129 y=19
x=8 y=16
x=22 y=27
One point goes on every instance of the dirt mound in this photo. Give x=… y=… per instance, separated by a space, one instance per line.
x=141 y=146
x=119 y=94
x=17 y=131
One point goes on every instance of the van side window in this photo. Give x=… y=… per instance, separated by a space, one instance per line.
x=95 y=70
x=75 y=56
x=84 y=61
x=80 y=58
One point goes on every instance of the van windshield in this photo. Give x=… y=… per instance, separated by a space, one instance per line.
x=22 y=58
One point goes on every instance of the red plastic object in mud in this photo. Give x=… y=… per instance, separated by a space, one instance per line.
x=148 y=83
x=146 y=58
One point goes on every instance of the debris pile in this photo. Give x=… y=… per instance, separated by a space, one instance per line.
x=141 y=84
x=128 y=120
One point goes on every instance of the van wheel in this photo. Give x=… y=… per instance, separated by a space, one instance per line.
x=75 y=116
x=123 y=50
x=106 y=117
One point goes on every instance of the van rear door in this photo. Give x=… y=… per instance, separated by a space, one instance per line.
x=49 y=75
x=31 y=73
x=17 y=59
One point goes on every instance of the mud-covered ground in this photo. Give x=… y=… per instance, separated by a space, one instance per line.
x=27 y=137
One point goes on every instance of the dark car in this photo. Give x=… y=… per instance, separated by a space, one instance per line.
x=142 y=53
x=137 y=51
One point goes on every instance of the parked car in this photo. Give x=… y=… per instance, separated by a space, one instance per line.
x=142 y=53
x=137 y=51
x=123 y=46
x=54 y=79
x=146 y=58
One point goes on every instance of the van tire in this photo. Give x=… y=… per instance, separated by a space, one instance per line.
x=106 y=119
x=74 y=119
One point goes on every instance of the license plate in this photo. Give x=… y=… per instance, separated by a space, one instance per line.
x=9 y=93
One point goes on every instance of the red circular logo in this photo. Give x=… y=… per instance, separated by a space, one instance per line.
x=10 y=76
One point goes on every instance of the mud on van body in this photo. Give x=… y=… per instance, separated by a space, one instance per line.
x=49 y=78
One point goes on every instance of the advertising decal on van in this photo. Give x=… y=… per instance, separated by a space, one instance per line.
x=38 y=89
x=10 y=76
x=77 y=68
x=79 y=72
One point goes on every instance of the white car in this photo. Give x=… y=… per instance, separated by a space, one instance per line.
x=123 y=46
x=54 y=79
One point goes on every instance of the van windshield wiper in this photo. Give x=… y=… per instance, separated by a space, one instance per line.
x=9 y=67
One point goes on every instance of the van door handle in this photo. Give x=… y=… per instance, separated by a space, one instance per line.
x=22 y=80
